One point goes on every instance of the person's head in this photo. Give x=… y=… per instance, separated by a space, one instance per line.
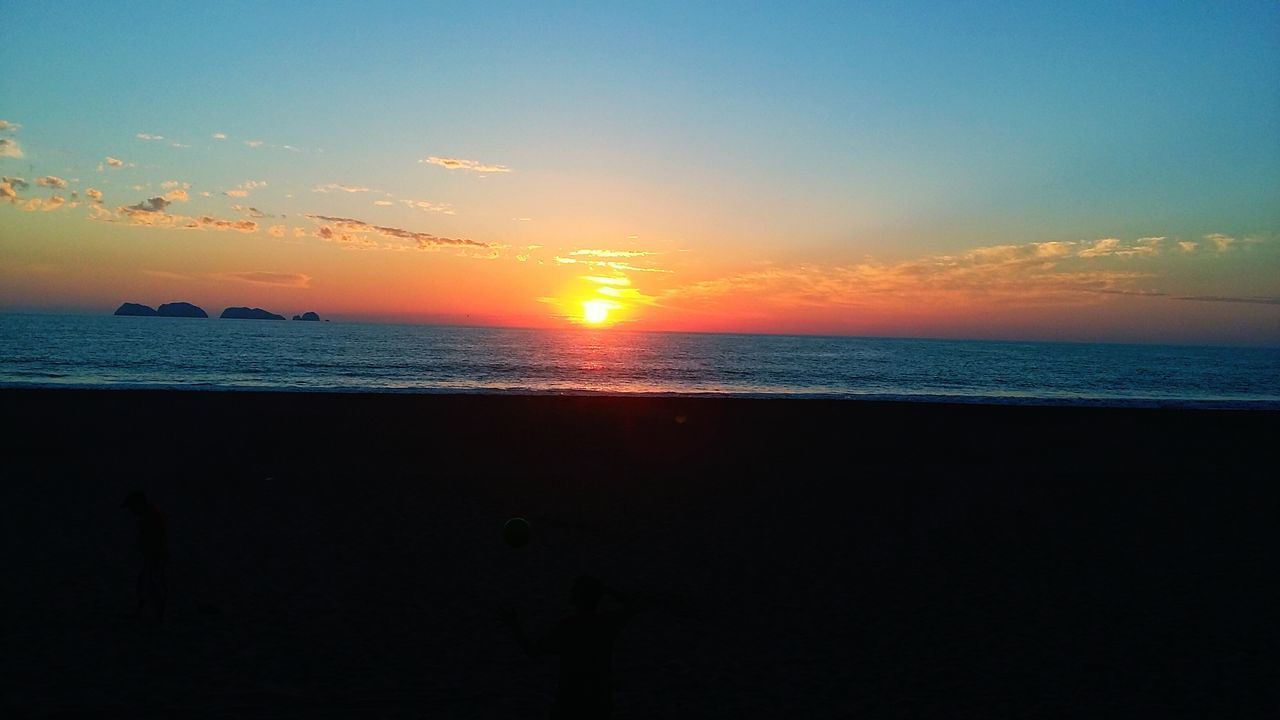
x=136 y=501
x=586 y=593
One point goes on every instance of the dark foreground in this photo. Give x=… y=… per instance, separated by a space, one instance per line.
x=340 y=555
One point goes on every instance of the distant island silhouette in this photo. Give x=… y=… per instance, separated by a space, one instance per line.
x=244 y=313
x=187 y=310
x=174 y=309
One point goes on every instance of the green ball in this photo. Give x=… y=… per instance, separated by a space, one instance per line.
x=516 y=532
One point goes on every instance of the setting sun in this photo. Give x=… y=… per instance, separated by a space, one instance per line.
x=595 y=312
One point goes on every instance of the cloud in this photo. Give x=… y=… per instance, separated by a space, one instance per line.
x=276 y=231
x=612 y=253
x=10 y=126
x=10 y=148
x=52 y=203
x=357 y=231
x=1113 y=246
x=207 y=222
x=460 y=164
x=999 y=275
x=1252 y=299
x=219 y=136
x=9 y=187
x=253 y=143
x=1222 y=242
x=609 y=264
x=94 y=195
x=339 y=187
x=145 y=136
x=250 y=211
x=179 y=195
x=151 y=205
x=170 y=184
x=425 y=206
x=243 y=189
x=114 y=162
x=259 y=277
x=1187 y=246
x=383 y=203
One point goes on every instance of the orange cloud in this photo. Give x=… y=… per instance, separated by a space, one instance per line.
x=294 y=280
x=351 y=230
x=51 y=181
x=449 y=163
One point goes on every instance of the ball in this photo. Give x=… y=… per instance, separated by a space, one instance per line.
x=516 y=532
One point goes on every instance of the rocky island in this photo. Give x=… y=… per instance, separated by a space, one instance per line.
x=135 y=310
x=181 y=309
x=244 y=313
x=308 y=316
x=174 y=309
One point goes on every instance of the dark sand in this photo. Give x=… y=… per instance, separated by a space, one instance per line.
x=340 y=555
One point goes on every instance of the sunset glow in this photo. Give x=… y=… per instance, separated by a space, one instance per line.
x=595 y=312
x=855 y=170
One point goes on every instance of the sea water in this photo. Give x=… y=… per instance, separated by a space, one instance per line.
x=109 y=351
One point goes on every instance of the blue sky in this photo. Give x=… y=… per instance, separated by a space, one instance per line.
x=823 y=133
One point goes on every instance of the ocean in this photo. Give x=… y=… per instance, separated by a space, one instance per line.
x=212 y=354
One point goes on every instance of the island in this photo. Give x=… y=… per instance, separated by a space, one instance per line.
x=181 y=309
x=244 y=313
x=308 y=316
x=135 y=310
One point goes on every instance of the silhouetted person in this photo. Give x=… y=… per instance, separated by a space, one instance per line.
x=153 y=539
x=584 y=642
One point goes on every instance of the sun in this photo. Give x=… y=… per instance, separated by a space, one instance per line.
x=595 y=312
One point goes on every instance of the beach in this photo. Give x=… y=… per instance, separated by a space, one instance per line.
x=340 y=554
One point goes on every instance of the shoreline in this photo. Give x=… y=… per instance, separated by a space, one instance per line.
x=1146 y=403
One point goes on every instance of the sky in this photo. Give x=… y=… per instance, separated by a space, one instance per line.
x=1095 y=172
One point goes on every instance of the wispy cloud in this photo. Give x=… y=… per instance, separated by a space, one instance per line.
x=612 y=253
x=10 y=148
x=449 y=163
x=1071 y=273
x=253 y=143
x=9 y=126
x=341 y=187
x=114 y=162
x=252 y=212
x=51 y=182
x=1251 y=299
x=219 y=136
x=145 y=136
x=1222 y=242
x=243 y=189
x=259 y=277
x=94 y=195
x=350 y=230
x=426 y=206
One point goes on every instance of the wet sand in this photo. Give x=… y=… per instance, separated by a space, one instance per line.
x=340 y=555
